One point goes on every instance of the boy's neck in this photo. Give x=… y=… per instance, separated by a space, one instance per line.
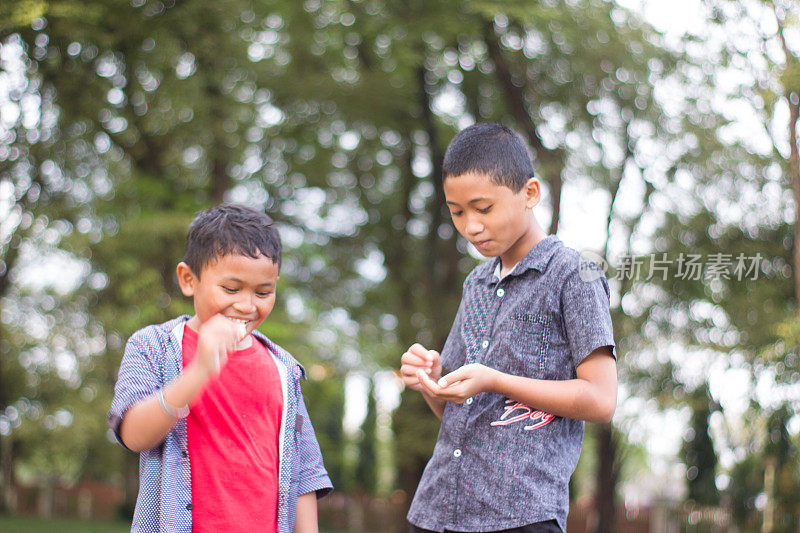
x=525 y=244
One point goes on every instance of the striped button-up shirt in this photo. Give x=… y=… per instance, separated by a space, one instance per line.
x=152 y=359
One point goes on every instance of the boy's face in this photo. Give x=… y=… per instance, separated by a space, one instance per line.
x=235 y=286
x=495 y=219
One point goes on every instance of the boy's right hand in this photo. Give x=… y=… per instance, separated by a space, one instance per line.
x=217 y=336
x=416 y=358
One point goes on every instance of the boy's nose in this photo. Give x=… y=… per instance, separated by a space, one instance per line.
x=473 y=226
x=245 y=304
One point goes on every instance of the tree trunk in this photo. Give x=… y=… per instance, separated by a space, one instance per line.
x=607 y=472
x=8 y=501
x=769 y=493
x=794 y=172
x=437 y=180
x=410 y=462
x=793 y=98
x=47 y=498
x=442 y=285
x=552 y=163
x=441 y=255
x=607 y=451
x=219 y=183
x=219 y=154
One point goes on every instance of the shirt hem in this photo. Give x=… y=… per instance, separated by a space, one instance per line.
x=485 y=528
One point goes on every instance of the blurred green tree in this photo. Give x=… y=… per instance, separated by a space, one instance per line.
x=698 y=453
x=335 y=117
x=366 y=472
x=754 y=164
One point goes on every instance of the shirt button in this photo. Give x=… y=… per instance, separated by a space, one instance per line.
x=457 y=453
x=188 y=506
x=500 y=292
x=485 y=344
x=185 y=453
x=469 y=401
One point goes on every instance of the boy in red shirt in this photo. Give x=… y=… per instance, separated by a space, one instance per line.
x=211 y=404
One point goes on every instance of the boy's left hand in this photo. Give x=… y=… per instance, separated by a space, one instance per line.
x=460 y=384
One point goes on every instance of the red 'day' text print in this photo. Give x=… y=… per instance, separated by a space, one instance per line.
x=540 y=418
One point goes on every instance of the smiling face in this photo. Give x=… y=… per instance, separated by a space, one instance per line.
x=236 y=286
x=498 y=221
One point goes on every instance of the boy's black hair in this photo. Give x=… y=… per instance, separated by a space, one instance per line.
x=230 y=229
x=491 y=149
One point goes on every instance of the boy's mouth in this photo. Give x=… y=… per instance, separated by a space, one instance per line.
x=242 y=323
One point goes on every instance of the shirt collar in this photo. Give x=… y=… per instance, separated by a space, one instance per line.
x=175 y=327
x=536 y=258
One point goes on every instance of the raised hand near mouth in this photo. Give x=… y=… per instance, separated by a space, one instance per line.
x=216 y=337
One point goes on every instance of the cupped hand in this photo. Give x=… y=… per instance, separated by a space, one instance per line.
x=419 y=359
x=459 y=384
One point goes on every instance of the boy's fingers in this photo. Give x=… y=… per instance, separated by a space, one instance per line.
x=414 y=360
x=408 y=371
x=231 y=342
x=454 y=391
x=454 y=377
x=427 y=383
x=241 y=331
x=409 y=357
x=418 y=349
x=409 y=376
x=219 y=360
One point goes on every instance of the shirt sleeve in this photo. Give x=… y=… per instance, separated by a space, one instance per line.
x=313 y=476
x=137 y=379
x=587 y=320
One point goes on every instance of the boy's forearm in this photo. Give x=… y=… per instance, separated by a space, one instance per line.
x=146 y=424
x=592 y=396
x=436 y=405
x=306 y=517
x=574 y=398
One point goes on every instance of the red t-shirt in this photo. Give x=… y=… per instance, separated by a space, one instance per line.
x=232 y=431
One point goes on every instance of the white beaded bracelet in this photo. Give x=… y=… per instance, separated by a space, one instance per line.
x=181 y=412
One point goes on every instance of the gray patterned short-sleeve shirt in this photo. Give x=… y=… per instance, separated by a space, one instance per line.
x=499 y=464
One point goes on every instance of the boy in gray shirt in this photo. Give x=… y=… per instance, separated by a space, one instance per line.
x=533 y=351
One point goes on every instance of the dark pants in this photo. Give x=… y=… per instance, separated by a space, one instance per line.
x=550 y=526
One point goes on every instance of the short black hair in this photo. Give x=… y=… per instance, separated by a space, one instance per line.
x=491 y=149
x=230 y=229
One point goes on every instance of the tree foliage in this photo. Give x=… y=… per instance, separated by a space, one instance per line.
x=334 y=116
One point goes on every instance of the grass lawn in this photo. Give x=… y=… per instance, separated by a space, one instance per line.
x=18 y=524
x=21 y=524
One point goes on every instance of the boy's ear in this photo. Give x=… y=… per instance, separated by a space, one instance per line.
x=186 y=279
x=533 y=192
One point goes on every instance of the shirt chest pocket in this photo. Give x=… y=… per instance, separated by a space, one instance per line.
x=524 y=344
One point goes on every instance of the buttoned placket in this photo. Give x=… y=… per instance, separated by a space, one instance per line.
x=494 y=300
x=459 y=481
x=499 y=293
